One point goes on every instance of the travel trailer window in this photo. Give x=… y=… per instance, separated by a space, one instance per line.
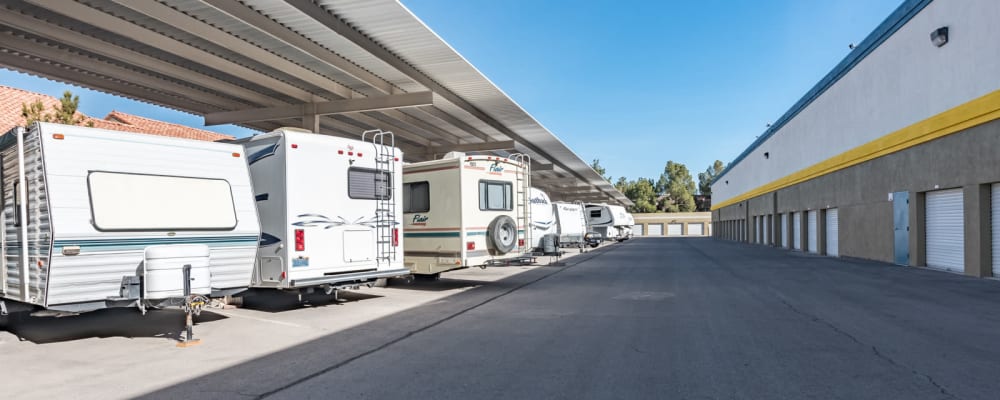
x=137 y=202
x=595 y=213
x=416 y=197
x=495 y=196
x=368 y=184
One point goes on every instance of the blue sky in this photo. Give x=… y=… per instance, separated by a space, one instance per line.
x=633 y=83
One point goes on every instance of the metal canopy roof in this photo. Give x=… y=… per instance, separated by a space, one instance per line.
x=336 y=66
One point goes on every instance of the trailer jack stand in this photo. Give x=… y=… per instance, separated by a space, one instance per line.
x=188 y=339
x=193 y=304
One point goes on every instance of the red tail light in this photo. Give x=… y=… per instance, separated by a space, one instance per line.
x=395 y=237
x=520 y=242
x=470 y=245
x=300 y=240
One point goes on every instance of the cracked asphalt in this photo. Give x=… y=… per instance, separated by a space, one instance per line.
x=659 y=318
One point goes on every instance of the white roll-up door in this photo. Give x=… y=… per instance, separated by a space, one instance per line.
x=696 y=229
x=995 y=224
x=675 y=229
x=637 y=230
x=756 y=229
x=655 y=229
x=784 y=230
x=797 y=230
x=811 y=232
x=832 y=233
x=766 y=221
x=945 y=226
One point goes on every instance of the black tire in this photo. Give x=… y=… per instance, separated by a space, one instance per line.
x=501 y=235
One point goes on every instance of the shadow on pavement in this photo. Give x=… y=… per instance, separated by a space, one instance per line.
x=278 y=301
x=114 y=322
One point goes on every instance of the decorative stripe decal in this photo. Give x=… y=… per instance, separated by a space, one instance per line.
x=965 y=116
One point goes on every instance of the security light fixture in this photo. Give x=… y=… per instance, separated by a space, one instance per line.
x=767 y=155
x=940 y=36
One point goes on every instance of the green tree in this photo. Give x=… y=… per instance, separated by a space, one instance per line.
x=596 y=165
x=64 y=113
x=33 y=112
x=677 y=186
x=643 y=194
x=705 y=178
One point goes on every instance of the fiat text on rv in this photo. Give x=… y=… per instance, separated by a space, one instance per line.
x=96 y=219
x=329 y=207
x=465 y=211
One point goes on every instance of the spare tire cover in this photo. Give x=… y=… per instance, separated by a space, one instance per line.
x=502 y=234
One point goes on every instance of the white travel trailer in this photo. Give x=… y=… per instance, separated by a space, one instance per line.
x=571 y=223
x=543 y=220
x=611 y=221
x=465 y=211
x=330 y=209
x=96 y=219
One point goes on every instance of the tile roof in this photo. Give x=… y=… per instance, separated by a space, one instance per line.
x=12 y=98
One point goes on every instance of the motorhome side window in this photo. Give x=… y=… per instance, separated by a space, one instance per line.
x=496 y=196
x=134 y=202
x=416 y=197
x=368 y=184
x=595 y=213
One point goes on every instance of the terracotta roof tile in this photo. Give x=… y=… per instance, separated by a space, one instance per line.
x=11 y=100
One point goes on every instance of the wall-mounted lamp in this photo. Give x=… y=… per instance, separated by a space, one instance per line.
x=727 y=182
x=940 y=36
x=767 y=155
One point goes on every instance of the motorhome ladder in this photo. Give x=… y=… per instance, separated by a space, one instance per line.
x=522 y=194
x=385 y=209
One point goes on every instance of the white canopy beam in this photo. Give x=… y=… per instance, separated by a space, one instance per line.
x=321 y=108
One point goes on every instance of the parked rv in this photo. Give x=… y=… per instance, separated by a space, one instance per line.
x=544 y=233
x=96 y=219
x=571 y=223
x=465 y=211
x=611 y=221
x=330 y=209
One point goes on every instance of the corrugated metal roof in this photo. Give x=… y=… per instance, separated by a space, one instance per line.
x=204 y=56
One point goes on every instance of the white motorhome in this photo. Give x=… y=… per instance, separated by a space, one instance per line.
x=464 y=211
x=96 y=219
x=543 y=220
x=571 y=223
x=330 y=209
x=611 y=221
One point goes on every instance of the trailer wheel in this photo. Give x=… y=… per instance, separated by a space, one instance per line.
x=502 y=234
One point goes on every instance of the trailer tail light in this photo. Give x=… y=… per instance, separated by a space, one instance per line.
x=340 y=152
x=395 y=237
x=350 y=153
x=58 y=136
x=359 y=155
x=283 y=275
x=395 y=159
x=295 y=146
x=470 y=245
x=300 y=240
x=520 y=242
